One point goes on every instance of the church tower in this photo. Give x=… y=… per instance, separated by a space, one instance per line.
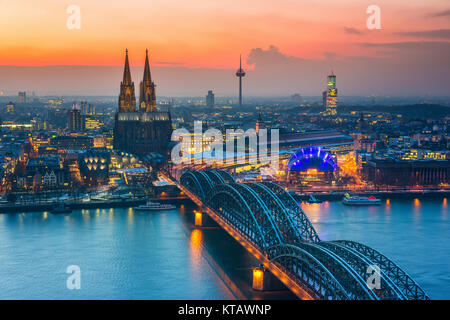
x=147 y=96
x=141 y=130
x=127 y=98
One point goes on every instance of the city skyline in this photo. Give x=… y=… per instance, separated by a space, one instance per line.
x=252 y=150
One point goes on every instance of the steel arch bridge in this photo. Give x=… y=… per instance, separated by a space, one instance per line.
x=268 y=218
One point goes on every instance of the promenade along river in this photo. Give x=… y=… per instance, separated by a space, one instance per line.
x=123 y=254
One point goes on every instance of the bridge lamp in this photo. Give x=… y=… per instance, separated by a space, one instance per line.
x=198 y=218
x=258 y=279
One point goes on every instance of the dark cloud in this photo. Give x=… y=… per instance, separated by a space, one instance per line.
x=350 y=30
x=275 y=72
x=443 y=13
x=438 y=33
x=272 y=55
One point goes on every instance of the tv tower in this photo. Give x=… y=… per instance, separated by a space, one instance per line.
x=240 y=73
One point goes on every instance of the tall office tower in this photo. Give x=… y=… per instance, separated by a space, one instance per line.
x=84 y=107
x=147 y=96
x=142 y=131
x=22 y=97
x=91 y=109
x=240 y=73
x=127 y=98
x=332 y=95
x=259 y=124
x=210 y=99
x=75 y=119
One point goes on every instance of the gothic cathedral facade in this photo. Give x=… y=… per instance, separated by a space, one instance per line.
x=140 y=130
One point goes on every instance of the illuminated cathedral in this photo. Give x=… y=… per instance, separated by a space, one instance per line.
x=140 y=129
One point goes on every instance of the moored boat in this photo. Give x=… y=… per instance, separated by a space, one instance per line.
x=360 y=200
x=151 y=206
x=61 y=208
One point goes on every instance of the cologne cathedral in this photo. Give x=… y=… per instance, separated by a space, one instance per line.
x=140 y=129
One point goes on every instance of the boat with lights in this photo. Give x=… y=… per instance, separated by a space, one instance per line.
x=152 y=206
x=360 y=200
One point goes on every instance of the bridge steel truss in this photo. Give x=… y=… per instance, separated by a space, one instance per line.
x=295 y=213
x=408 y=287
x=271 y=220
x=202 y=182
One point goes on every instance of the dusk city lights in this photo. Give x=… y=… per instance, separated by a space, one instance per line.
x=208 y=151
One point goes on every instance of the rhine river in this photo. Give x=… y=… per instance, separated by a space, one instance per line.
x=123 y=254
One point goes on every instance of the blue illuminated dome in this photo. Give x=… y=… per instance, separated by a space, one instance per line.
x=311 y=158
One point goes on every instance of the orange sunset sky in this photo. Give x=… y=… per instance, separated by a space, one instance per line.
x=274 y=37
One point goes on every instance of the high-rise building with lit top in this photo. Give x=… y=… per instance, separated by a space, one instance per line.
x=331 y=95
x=75 y=119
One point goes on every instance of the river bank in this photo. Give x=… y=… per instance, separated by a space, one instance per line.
x=404 y=194
x=35 y=207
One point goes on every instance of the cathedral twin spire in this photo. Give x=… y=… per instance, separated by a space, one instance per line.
x=126 y=69
x=147 y=96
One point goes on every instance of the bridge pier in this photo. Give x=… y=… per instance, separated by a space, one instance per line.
x=202 y=219
x=264 y=280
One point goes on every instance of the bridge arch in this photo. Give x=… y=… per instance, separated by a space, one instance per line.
x=279 y=211
x=225 y=175
x=190 y=181
x=215 y=177
x=232 y=207
x=202 y=182
x=205 y=181
x=295 y=213
x=409 y=288
x=360 y=264
x=261 y=215
x=308 y=270
x=354 y=284
x=266 y=220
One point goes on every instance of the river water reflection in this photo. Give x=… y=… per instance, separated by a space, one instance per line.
x=414 y=233
x=125 y=254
